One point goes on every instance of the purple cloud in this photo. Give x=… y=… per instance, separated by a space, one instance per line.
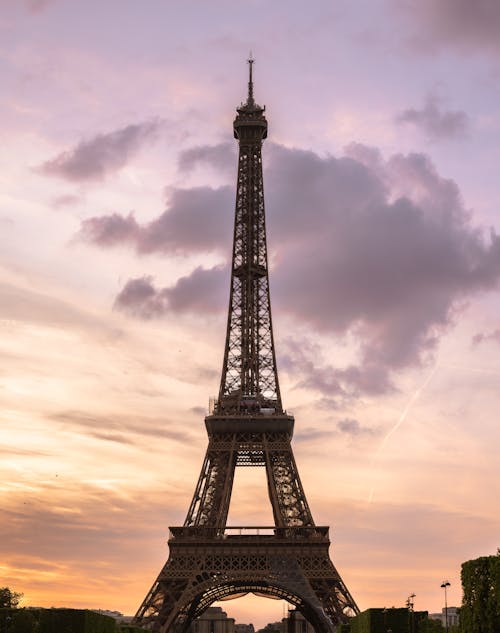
x=140 y=298
x=203 y=291
x=197 y=220
x=109 y=230
x=481 y=337
x=382 y=249
x=465 y=25
x=37 y=6
x=95 y=158
x=435 y=122
x=353 y=428
x=303 y=361
x=221 y=157
x=66 y=200
x=301 y=358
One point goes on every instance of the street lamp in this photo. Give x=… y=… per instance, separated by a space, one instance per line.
x=409 y=605
x=444 y=585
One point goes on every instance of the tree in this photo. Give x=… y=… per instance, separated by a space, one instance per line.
x=430 y=626
x=9 y=599
x=480 y=612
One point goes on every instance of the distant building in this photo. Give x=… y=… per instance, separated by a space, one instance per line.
x=214 y=620
x=119 y=617
x=112 y=614
x=296 y=623
x=453 y=616
x=274 y=627
x=244 y=628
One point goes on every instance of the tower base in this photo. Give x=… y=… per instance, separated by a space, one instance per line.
x=208 y=564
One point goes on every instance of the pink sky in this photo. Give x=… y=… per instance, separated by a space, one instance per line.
x=117 y=176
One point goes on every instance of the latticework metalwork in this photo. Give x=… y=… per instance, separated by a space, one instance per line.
x=264 y=444
x=207 y=565
x=208 y=560
x=249 y=377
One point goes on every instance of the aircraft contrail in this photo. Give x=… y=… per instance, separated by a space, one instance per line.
x=400 y=421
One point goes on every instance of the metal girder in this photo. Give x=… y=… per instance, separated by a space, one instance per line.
x=200 y=571
x=209 y=561
x=249 y=379
x=210 y=504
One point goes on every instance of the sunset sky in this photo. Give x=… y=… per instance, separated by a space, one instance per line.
x=117 y=177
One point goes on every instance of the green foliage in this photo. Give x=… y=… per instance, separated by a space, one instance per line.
x=9 y=599
x=381 y=620
x=344 y=628
x=17 y=621
x=5 y=619
x=130 y=628
x=55 y=621
x=397 y=620
x=480 y=612
x=23 y=621
x=430 y=626
x=75 y=621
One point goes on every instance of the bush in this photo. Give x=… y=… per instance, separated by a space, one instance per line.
x=480 y=612
x=23 y=622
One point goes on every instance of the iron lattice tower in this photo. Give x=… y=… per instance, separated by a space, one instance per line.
x=208 y=560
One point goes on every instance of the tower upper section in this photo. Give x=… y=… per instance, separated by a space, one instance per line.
x=250 y=125
x=249 y=382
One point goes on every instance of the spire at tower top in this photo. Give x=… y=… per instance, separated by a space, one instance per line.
x=250 y=100
x=250 y=110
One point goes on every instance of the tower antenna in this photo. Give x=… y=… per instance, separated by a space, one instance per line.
x=251 y=60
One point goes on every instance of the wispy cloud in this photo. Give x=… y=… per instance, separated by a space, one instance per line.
x=352 y=427
x=221 y=157
x=482 y=337
x=119 y=428
x=49 y=541
x=67 y=200
x=26 y=304
x=101 y=155
x=436 y=122
x=37 y=6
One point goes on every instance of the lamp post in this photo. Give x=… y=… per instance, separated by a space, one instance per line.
x=409 y=606
x=444 y=585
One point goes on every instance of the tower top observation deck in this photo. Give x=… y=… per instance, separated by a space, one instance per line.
x=250 y=116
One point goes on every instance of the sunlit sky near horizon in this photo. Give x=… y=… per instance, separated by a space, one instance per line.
x=117 y=176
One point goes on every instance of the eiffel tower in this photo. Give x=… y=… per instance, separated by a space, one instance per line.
x=208 y=560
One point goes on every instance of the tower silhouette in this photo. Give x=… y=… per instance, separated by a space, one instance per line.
x=208 y=560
